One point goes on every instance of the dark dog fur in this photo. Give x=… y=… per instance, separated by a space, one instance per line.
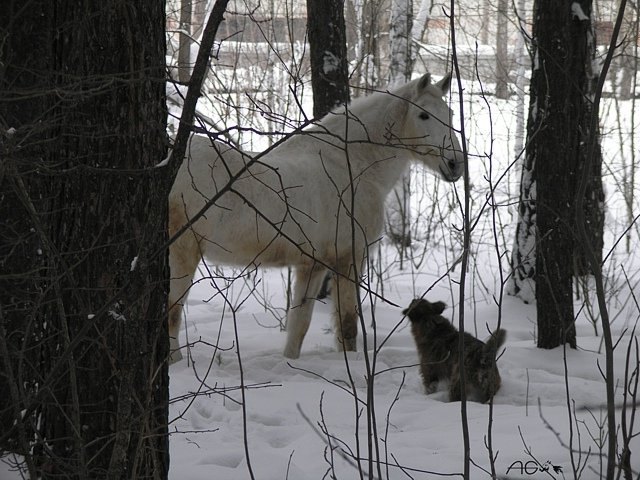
x=438 y=346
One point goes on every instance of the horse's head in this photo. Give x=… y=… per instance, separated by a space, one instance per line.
x=427 y=127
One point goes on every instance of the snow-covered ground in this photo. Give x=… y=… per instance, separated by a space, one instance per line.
x=300 y=418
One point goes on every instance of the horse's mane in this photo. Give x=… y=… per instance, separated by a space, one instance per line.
x=369 y=115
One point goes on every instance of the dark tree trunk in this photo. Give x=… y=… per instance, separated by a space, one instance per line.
x=560 y=96
x=328 y=51
x=553 y=147
x=83 y=342
x=329 y=65
x=593 y=209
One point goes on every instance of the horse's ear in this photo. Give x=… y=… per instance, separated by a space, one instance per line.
x=424 y=82
x=445 y=84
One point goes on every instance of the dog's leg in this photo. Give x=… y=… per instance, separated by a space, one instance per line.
x=455 y=394
x=429 y=376
x=430 y=384
x=308 y=280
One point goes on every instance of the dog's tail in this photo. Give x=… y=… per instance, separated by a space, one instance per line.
x=496 y=340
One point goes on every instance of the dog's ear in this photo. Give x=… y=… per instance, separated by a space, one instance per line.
x=438 y=307
x=495 y=341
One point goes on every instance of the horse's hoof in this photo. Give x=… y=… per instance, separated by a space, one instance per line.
x=348 y=344
x=291 y=352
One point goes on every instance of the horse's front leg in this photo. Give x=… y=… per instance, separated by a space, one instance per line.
x=308 y=279
x=345 y=298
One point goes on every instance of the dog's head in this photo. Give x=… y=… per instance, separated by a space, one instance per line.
x=421 y=310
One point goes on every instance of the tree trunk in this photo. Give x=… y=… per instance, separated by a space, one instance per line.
x=522 y=281
x=185 y=42
x=502 y=52
x=558 y=127
x=524 y=63
x=400 y=23
x=418 y=27
x=84 y=341
x=329 y=64
x=367 y=72
x=523 y=257
x=328 y=51
x=487 y=14
x=594 y=195
x=398 y=220
x=554 y=149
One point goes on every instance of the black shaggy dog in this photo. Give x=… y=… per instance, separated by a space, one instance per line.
x=438 y=347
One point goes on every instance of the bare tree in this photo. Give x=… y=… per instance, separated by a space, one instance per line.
x=83 y=340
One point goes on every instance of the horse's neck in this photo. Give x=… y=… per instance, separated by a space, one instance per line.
x=371 y=131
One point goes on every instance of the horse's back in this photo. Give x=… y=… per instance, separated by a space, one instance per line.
x=259 y=210
x=282 y=209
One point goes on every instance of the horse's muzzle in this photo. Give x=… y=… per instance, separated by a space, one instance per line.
x=452 y=169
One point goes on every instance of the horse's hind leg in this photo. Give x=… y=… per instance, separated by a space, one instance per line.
x=344 y=294
x=308 y=280
x=184 y=255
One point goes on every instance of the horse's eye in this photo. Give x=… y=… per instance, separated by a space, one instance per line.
x=424 y=116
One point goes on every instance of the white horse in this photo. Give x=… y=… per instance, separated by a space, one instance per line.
x=314 y=202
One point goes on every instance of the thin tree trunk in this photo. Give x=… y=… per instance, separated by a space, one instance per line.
x=502 y=52
x=185 y=41
x=400 y=24
x=486 y=21
x=367 y=73
x=418 y=27
x=522 y=280
x=398 y=219
x=524 y=63
x=523 y=257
